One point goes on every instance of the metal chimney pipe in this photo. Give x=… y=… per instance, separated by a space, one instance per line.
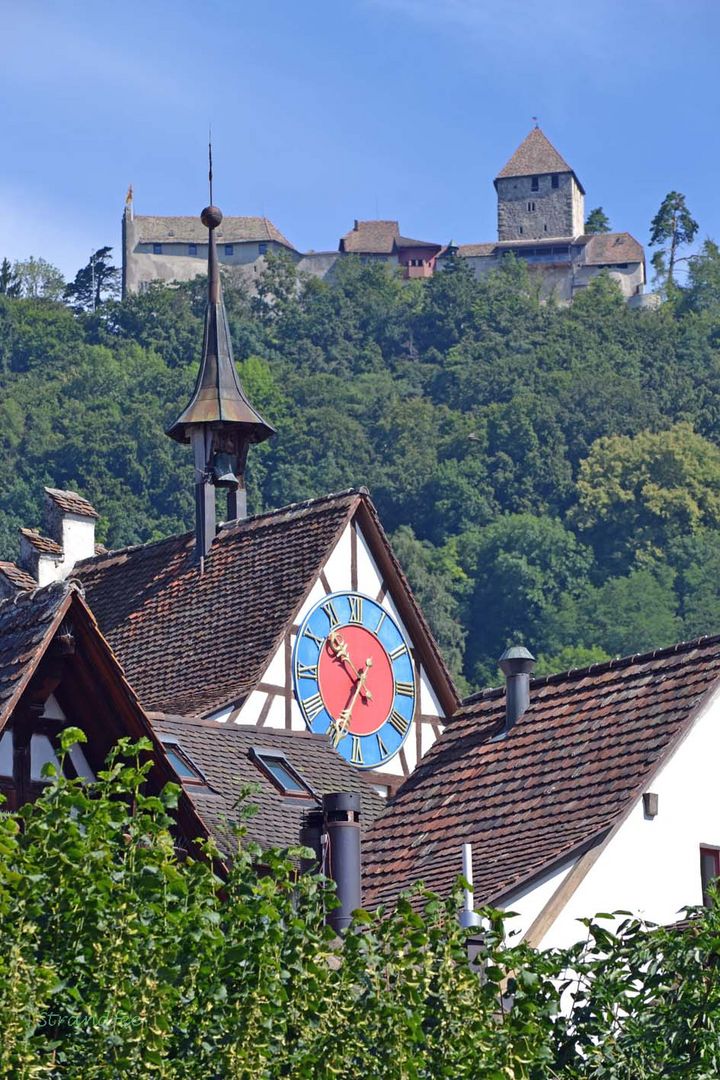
x=517 y=664
x=311 y=834
x=341 y=813
x=468 y=916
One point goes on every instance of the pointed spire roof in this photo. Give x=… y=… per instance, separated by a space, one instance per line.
x=218 y=396
x=536 y=155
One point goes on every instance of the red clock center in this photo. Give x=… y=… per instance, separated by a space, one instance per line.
x=358 y=677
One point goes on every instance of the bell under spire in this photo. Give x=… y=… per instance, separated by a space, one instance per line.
x=219 y=420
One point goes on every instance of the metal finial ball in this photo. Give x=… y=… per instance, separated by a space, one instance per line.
x=211 y=217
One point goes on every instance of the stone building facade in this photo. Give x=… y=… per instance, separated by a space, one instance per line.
x=540 y=214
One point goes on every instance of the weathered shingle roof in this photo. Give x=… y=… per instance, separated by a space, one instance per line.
x=71 y=502
x=470 y=250
x=190 y=230
x=18 y=578
x=42 y=543
x=608 y=248
x=535 y=155
x=564 y=775
x=26 y=621
x=192 y=642
x=222 y=753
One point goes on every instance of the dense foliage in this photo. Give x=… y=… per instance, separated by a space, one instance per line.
x=551 y=475
x=121 y=958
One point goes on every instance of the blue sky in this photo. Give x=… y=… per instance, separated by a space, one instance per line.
x=327 y=110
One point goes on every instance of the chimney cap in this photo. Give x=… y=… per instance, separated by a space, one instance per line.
x=516 y=660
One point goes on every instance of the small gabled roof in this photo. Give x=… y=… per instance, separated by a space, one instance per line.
x=71 y=503
x=41 y=543
x=16 y=577
x=604 y=249
x=379 y=237
x=193 y=643
x=27 y=623
x=371 y=238
x=224 y=755
x=534 y=156
x=563 y=777
x=189 y=230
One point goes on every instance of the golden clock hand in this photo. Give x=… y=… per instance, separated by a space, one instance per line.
x=342 y=724
x=338 y=645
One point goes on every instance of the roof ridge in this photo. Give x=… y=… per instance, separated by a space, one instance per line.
x=293 y=508
x=598 y=668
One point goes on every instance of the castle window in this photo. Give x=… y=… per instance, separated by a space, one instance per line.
x=192 y=249
x=229 y=249
x=531 y=206
x=157 y=249
x=262 y=248
x=535 y=183
x=521 y=230
x=555 y=182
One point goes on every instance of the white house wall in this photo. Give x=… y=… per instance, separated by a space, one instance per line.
x=267 y=705
x=651 y=867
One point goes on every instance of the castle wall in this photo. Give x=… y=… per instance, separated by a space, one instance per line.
x=524 y=214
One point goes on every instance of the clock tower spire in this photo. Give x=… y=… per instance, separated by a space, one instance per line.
x=219 y=422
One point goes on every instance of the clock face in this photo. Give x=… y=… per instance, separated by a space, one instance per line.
x=354 y=678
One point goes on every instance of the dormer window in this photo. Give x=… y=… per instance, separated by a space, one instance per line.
x=535 y=183
x=281 y=773
x=182 y=763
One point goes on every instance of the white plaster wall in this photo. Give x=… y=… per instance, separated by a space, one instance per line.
x=528 y=904
x=652 y=867
x=78 y=541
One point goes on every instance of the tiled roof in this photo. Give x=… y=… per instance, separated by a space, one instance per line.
x=42 y=543
x=406 y=242
x=565 y=774
x=191 y=642
x=71 y=503
x=470 y=250
x=190 y=230
x=371 y=238
x=18 y=578
x=25 y=622
x=222 y=753
x=535 y=155
x=608 y=248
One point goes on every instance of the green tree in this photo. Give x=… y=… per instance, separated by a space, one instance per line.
x=10 y=284
x=637 y=493
x=597 y=221
x=703 y=286
x=672 y=227
x=38 y=279
x=95 y=283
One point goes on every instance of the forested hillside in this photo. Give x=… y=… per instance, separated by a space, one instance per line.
x=549 y=475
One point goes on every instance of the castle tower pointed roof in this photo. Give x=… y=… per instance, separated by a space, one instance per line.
x=536 y=155
x=218 y=397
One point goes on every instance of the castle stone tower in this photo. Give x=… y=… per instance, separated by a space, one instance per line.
x=539 y=195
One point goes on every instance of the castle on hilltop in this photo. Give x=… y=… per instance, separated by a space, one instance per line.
x=541 y=219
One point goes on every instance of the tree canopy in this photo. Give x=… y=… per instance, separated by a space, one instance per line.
x=537 y=464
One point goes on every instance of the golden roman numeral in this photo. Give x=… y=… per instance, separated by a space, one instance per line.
x=382 y=748
x=381 y=620
x=398 y=651
x=331 y=613
x=307 y=671
x=398 y=721
x=356 y=609
x=405 y=688
x=356 y=754
x=313 y=637
x=313 y=706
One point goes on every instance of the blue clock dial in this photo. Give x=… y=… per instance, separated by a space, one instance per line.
x=354 y=678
